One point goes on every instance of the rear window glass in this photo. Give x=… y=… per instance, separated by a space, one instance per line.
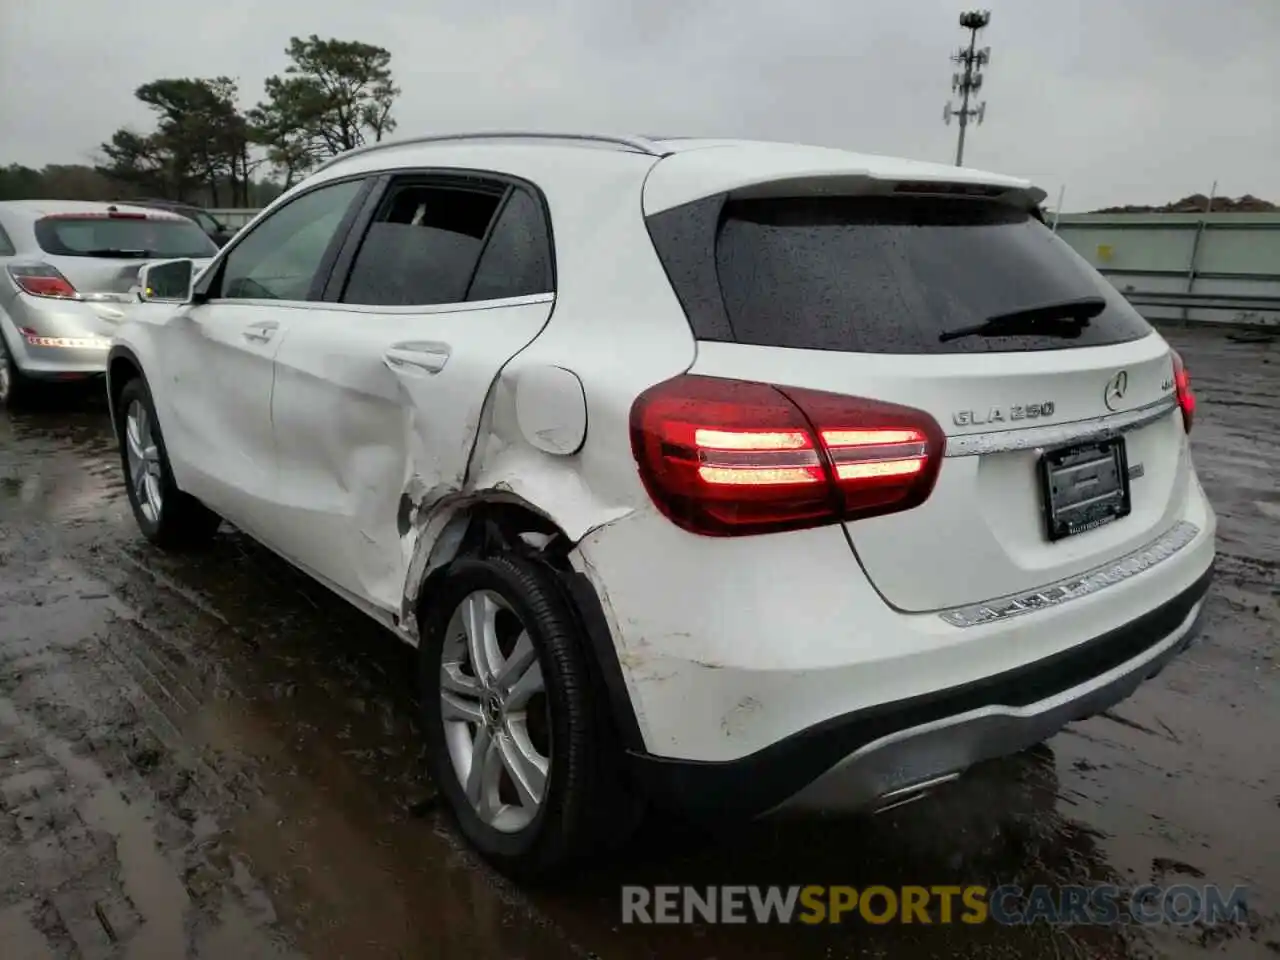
x=883 y=275
x=99 y=236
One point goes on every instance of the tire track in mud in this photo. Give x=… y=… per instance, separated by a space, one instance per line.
x=109 y=804
x=107 y=657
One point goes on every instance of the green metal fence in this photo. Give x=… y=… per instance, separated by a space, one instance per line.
x=1213 y=268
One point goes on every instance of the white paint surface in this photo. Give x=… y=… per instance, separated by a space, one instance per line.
x=551 y=409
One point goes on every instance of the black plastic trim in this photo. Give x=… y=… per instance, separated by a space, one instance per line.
x=685 y=239
x=596 y=627
x=757 y=783
x=324 y=270
x=340 y=269
x=485 y=240
x=118 y=352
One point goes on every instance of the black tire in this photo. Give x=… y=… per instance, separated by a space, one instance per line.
x=15 y=388
x=586 y=808
x=182 y=521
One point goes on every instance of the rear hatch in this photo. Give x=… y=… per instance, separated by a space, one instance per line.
x=968 y=308
x=96 y=256
x=102 y=252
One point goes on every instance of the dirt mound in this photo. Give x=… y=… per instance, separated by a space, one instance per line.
x=1197 y=202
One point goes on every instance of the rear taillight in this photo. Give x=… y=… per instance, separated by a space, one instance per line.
x=733 y=457
x=42 y=280
x=1182 y=388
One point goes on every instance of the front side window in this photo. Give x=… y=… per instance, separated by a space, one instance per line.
x=280 y=258
x=423 y=245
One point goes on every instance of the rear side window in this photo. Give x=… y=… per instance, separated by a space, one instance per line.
x=204 y=221
x=876 y=274
x=6 y=245
x=517 y=260
x=124 y=235
x=423 y=245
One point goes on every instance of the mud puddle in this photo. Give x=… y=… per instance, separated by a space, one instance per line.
x=210 y=756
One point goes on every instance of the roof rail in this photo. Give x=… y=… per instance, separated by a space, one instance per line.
x=637 y=144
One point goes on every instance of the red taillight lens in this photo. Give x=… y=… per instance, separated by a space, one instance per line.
x=733 y=457
x=1182 y=387
x=42 y=280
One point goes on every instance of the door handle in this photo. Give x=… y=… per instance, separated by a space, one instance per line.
x=430 y=357
x=260 y=332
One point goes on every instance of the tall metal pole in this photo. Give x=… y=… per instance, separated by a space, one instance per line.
x=1194 y=266
x=969 y=81
x=966 y=86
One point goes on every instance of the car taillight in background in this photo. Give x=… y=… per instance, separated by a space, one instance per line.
x=1182 y=388
x=732 y=457
x=42 y=280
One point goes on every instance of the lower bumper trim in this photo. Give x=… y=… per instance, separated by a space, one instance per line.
x=851 y=761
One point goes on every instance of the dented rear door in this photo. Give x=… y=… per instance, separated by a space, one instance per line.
x=378 y=400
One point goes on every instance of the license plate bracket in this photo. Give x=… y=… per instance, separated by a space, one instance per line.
x=1084 y=486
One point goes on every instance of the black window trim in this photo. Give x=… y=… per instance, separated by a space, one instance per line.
x=452 y=178
x=484 y=241
x=212 y=278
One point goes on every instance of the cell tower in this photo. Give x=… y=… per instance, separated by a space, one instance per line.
x=968 y=81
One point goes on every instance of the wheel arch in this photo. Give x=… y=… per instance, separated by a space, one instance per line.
x=492 y=522
x=123 y=365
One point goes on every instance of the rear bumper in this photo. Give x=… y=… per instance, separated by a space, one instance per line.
x=62 y=363
x=862 y=759
x=68 y=338
x=726 y=647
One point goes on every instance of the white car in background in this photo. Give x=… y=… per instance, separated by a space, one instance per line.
x=65 y=269
x=728 y=476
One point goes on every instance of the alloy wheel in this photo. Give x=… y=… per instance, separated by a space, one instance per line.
x=494 y=708
x=143 y=454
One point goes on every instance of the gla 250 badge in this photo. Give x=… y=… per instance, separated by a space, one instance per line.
x=1029 y=411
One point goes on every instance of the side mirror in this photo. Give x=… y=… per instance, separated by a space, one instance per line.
x=166 y=280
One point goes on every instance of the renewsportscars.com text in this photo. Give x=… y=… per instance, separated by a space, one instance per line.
x=1010 y=905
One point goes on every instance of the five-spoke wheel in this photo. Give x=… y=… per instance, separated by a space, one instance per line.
x=519 y=738
x=143 y=461
x=165 y=514
x=494 y=708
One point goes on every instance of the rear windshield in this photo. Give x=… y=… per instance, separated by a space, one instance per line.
x=101 y=236
x=877 y=274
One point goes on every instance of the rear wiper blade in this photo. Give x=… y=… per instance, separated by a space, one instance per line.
x=1065 y=318
x=115 y=253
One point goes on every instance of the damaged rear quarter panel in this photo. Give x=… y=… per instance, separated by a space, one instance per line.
x=619 y=329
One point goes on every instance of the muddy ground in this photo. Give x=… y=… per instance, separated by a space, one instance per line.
x=212 y=757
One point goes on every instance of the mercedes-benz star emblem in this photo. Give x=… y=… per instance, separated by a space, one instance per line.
x=1117 y=386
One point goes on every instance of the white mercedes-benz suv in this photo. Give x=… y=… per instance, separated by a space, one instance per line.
x=727 y=477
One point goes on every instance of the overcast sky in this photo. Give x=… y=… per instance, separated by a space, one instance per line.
x=1123 y=101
